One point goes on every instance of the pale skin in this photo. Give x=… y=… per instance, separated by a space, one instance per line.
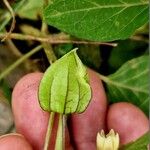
x=31 y=121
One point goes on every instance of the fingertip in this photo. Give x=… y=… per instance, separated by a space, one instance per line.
x=28 y=81
x=128 y=120
x=15 y=142
x=30 y=119
x=85 y=126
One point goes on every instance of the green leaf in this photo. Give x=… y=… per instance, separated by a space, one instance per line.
x=126 y=50
x=31 y=10
x=64 y=87
x=90 y=55
x=130 y=83
x=97 y=19
x=62 y=49
x=140 y=144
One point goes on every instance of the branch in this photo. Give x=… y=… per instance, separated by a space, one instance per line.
x=13 y=48
x=19 y=61
x=13 y=20
x=53 y=39
x=139 y=38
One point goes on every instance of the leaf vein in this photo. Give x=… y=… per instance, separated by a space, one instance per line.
x=99 y=7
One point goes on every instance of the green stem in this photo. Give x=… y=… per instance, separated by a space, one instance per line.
x=51 y=58
x=47 y=47
x=49 y=130
x=19 y=61
x=64 y=129
x=103 y=78
x=60 y=139
x=13 y=48
x=13 y=19
x=49 y=52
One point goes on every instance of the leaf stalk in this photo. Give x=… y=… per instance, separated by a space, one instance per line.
x=49 y=130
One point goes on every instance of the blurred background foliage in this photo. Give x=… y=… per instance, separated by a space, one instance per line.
x=103 y=58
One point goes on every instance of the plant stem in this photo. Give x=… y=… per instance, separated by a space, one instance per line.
x=64 y=129
x=60 y=139
x=139 y=38
x=8 y=16
x=26 y=29
x=103 y=78
x=49 y=130
x=13 y=48
x=47 y=47
x=53 y=39
x=51 y=58
x=19 y=61
x=13 y=19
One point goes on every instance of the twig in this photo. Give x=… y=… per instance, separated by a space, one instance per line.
x=13 y=48
x=139 y=38
x=19 y=61
x=7 y=15
x=53 y=40
x=13 y=20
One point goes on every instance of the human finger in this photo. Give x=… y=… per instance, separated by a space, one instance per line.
x=15 y=142
x=128 y=120
x=84 y=127
x=30 y=119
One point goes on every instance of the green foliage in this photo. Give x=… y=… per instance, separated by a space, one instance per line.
x=89 y=54
x=31 y=10
x=64 y=87
x=5 y=16
x=126 y=50
x=140 y=144
x=62 y=49
x=130 y=83
x=97 y=20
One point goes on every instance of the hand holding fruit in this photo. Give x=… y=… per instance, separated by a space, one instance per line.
x=31 y=121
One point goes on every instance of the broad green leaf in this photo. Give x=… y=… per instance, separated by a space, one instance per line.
x=130 y=83
x=31 y=10
x=64 y=87
x=139 y=144
x=97 y=19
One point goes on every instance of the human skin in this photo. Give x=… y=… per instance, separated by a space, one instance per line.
x=25 y=107
x=93 y=118
x=128 y=120
x=31 y=121
x=15 y=142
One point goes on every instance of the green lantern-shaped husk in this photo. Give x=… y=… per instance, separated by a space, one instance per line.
x=65 y=87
